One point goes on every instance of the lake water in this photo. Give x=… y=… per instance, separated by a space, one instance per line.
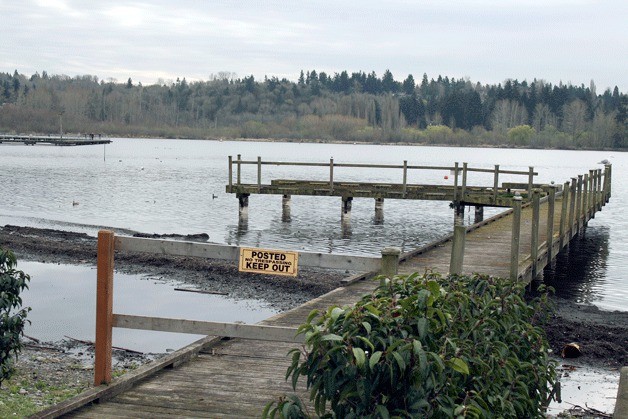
x=178 y=186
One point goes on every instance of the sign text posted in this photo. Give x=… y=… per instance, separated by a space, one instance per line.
x=265 y=261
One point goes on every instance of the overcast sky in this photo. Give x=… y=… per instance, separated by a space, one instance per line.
x=487 y=41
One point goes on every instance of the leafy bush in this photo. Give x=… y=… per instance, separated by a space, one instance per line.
x=12 y=316
x=426 y=346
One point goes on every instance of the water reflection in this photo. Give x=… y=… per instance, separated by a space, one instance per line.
x=579 y=273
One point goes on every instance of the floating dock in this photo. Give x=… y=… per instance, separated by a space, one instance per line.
x=60 y=140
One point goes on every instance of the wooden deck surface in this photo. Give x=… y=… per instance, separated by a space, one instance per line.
x=236 y=378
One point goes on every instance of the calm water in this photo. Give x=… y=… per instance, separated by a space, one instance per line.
x=177 y=186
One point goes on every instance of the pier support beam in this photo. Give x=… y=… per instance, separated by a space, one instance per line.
x=379 y=210
x=479 y=214
x=346 y=207
x=286 y=202
x=458 y=213
x=243 y=201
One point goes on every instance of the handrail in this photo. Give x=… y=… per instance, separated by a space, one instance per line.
x=106 y=320
x=459 y=191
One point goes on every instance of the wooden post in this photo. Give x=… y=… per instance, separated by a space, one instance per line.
x=457 y=250
x=379 y=210
x=514 y=244
x=530 y=181
x=610 y=181
x=405 y=177
x=390 y=263
x=591 y=196
x=346 y=206
x=563 y=215
x=479 y=214
x=585 y=199
x=578 y=203
x=286 y=208
x=495 y=183
x=331 y=175
x=572 y=205
x=230 y=172
x=239 y=170
x=600 y=191
x=259 y=174
x=464 y=181
x=534 y=241
x=551 y=205
x=243 y=204
x=104 y=308
x=456 y=183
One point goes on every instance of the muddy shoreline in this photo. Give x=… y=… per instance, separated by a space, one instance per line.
x=602 y=335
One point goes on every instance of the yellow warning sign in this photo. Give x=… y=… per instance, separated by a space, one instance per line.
x=264 y=261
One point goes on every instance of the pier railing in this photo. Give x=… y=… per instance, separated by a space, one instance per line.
x=461 y=190
x=579 y=199
x=106 y=320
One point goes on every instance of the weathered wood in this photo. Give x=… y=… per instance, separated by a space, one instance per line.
x=104 y=308
x=196 y=327
x=534 y=243
x=232 y=253
x=457 y=252
x=247 y=374
x=516 y=235
x=551 y=204
x=390 y=263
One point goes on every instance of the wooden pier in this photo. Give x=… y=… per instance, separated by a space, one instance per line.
x=237 y=375
x=461 y=193
x=59 y=140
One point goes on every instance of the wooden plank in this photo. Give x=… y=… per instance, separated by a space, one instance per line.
x=197 y=327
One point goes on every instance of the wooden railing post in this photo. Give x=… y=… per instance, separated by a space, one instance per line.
x=230 y=172
x=464 y=181
x=551 y=205
x=495 y=183
x=331 y=175
x=104 y=308
x=405 y=177
x=456 y=183
x=563 y=215
x=585 y=199
x=239 y=170
x=259 y=174
x=610 y=181
x=600 y=192
x=457 y=250
x=534 y=241
x=516 y=235
x=390 y=263
x=578 y=203
x=572 y=206
x=530 y=181
x=591 y=203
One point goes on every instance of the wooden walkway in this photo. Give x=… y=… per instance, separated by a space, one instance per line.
x=236 y=378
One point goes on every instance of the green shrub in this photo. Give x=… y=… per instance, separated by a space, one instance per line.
x=12 y=316
x=426 y=346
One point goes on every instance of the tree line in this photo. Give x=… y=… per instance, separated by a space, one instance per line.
x=348 y=107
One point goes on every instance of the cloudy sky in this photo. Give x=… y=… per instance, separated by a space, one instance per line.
x=573 y=41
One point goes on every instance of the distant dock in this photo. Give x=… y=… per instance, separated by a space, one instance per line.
x=60 y=140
